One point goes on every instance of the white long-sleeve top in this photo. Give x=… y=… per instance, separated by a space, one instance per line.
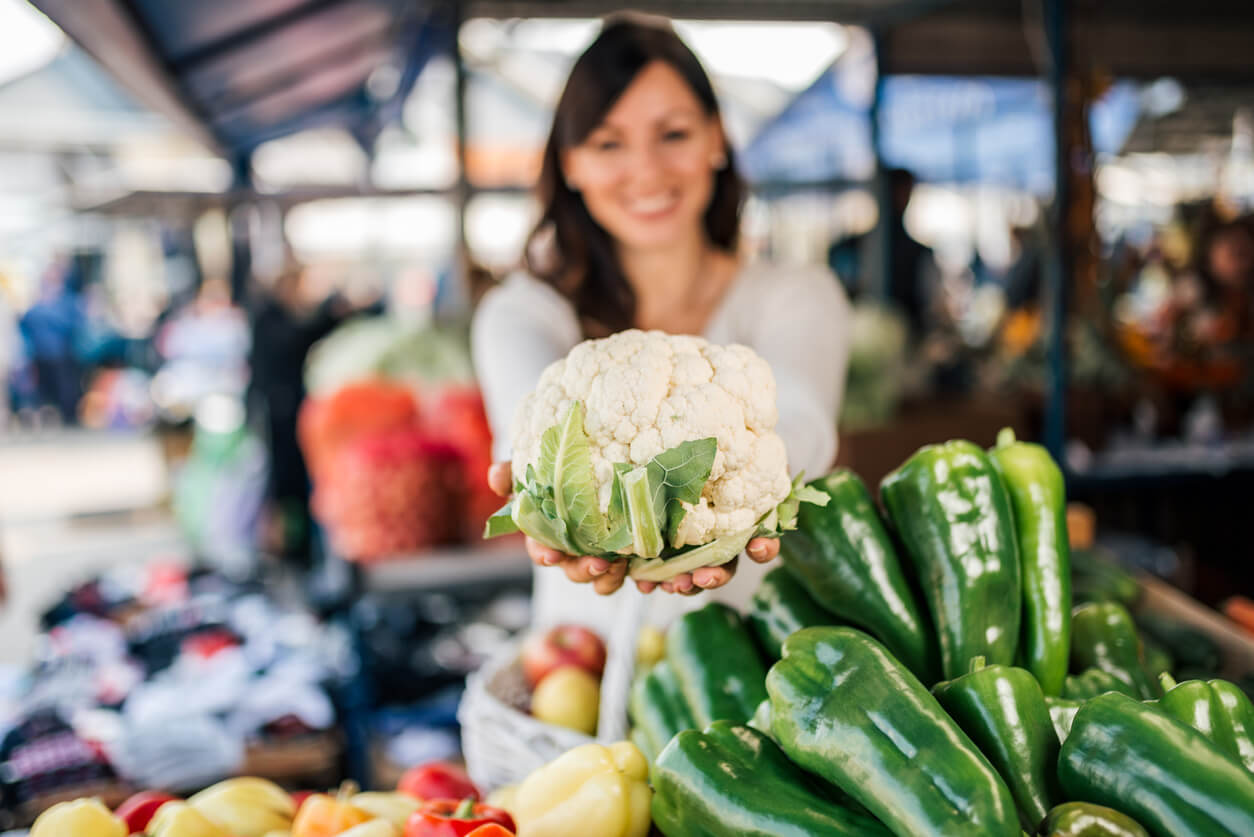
x=794 y=318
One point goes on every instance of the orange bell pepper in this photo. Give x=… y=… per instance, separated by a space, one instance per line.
x=323 y=815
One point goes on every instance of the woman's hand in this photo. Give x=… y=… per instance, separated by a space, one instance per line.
x=607 y=576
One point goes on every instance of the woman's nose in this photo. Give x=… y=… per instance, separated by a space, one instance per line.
x=646 y=162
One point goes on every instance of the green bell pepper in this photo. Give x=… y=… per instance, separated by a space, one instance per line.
x=657 y=707
x=1003 y=710
x=1104 y=636
x=1098 y=579
x=1039 y=502
x=1217 y=709
x=1082 y=819
x=844 y=708
x=781 y=607
x=1139 y=760
x=1093 y=682
x=1062 y=715
x=733 y=781
x=954 y=517
x=717 y=664
x=843 y=556
x=1158 y=660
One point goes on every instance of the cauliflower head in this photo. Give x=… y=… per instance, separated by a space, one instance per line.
x=644 y=393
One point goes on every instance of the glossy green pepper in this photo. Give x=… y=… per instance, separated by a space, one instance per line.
x=1039 y=501
x=1104 y=636
x=1062 y=713
x=1137 y=759
x=844 y=708
x=1003 y=710
x=1191 y=649
x=1217 y=709
x=781 y=607
x=657 y=707
x=953 y=515
x=1158 y=660
x=1098 y=579
x=845 y=559
x=717 y=665
x=733 y=781
x=1093 y=682
x=1083 y=819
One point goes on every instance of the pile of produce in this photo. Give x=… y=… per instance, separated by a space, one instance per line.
x=562 y=667
x=397 y=469
x=925 y=671
x=433 y=800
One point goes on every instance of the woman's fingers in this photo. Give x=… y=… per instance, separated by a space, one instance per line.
x=611 y=580
x=500 y=478
x=585 y=569
x=763 y=549
x=541 y=555
x=646 y=586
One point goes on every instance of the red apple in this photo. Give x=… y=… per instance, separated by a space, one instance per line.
x=138 y=810
x=562 y=645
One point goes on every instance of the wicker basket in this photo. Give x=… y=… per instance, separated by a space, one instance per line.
x=502 y=743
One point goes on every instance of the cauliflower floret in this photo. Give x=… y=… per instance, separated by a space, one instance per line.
x=646 y=392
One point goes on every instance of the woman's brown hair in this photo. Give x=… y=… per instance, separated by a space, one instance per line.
x=570 y=250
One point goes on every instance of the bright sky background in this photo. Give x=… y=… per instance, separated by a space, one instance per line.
x=28 y=40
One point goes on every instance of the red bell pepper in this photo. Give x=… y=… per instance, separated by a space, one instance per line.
x=437 y=780
x=491 y=830
x=454 y=818
x=138 y=810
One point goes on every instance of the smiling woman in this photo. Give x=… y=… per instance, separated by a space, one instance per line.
x=639 y=228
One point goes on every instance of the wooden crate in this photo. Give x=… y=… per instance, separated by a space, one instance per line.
x=1237 y=645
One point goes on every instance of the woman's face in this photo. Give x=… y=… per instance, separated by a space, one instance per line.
x=646 y=173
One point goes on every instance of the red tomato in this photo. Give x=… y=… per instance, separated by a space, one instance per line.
x=437 y=780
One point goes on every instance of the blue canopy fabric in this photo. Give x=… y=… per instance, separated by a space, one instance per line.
x=942 y=129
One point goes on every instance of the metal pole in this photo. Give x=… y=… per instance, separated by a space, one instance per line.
x=463 y=179
x=883 y=189
x=1059 y=276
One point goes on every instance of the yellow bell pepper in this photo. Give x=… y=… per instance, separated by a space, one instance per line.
x=394 y=807
x=373 y=828
x=246 y=806
x=80 y=818
x=592 y=789
x=179 y=819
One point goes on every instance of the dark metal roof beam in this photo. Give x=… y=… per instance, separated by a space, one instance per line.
x=293 y=74
x=246 y=36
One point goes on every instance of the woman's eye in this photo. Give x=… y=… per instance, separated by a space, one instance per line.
x=606 y=145
x=677 y=135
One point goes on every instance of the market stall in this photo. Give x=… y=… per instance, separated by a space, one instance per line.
x=945 y=645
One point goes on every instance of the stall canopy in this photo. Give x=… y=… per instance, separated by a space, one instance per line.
x=943 y=129
x=240 y=72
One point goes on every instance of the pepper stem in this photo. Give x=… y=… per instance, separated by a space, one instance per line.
x=466 y=810
x=1168 y=682
x=1005 y=437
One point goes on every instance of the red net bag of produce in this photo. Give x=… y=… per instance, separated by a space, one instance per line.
x=455 y=415
x=367 y=408
x=392 y=493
